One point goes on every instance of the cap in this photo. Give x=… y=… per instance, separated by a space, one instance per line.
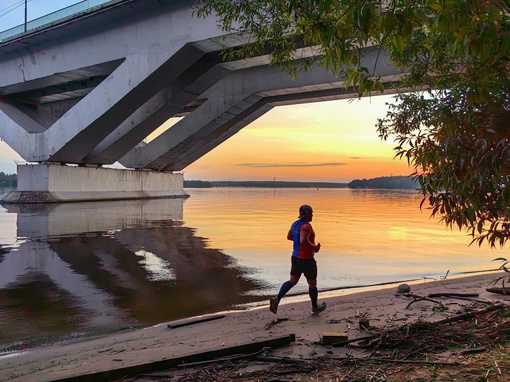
x=303 y=210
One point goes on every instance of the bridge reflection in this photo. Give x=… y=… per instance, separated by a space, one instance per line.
x=91 y=268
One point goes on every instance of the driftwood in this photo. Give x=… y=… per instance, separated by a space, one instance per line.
x=504 y=291
x=460 y=296
x=391 y=360
x=420 y=298
x=473 y=351
x=474 y=300
x=471 y=314
x=282 y=360
x=448 y=294
x=194 y=321
x=459 y=317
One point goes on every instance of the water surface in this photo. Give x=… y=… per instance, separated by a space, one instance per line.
x=74 y=270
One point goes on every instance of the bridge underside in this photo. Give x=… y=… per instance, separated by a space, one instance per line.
x=92 y=112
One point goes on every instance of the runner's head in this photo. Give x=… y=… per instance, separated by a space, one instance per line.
x=306 y=212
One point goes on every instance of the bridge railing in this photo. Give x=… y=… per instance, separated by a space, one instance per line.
x=51 y=18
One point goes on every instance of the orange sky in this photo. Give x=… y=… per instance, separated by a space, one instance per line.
x=329 y=141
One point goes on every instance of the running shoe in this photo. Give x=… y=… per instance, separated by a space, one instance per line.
x=273 y=304
x=320 y=308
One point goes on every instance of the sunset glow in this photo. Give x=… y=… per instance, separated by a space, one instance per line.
x=330 y=141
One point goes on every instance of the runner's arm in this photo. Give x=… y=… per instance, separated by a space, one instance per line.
x=304 y=238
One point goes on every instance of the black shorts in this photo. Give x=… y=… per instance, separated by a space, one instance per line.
x=308 y=267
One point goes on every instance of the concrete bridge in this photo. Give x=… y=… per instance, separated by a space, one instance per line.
x=85 y=89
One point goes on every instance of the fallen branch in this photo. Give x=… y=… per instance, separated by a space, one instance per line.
x=413 y=361
x=471 y=314
x=291 y=361
x=420 y=298
x=272 y=323
x=392 y=360
x=473 y=351
x=461 y=296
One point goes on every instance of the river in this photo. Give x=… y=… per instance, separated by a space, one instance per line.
x=74 y=270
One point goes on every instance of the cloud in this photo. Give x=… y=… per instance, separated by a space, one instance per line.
x=281 y=165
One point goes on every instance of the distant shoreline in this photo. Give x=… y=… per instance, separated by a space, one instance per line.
x=262 y=184
x=387 y=182
x=390 y=182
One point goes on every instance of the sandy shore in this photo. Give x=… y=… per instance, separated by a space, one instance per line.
x=382 y=307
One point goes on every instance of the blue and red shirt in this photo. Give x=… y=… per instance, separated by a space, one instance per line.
x=302 y=250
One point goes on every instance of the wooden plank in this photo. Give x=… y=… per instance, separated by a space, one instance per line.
x=448 y=294
x=134 y=370
x=329 y=338
x=364 y=323
x=178 y=324
x=343 y=343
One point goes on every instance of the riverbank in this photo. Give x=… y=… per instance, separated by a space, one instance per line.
x=382 y=308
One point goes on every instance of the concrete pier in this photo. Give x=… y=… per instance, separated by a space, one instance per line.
x=52 y=183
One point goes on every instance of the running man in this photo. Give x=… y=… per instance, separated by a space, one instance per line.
x=303 y=262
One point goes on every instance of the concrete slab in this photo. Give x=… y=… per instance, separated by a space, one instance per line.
x=50 y=183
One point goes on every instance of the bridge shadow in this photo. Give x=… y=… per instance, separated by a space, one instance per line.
x=83 y=269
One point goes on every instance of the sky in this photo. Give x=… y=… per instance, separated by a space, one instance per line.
x=333 y=141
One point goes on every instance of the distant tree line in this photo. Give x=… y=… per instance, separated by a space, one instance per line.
x=261 y=184
x=392 y=182
x=197 y=184
x=8 y=180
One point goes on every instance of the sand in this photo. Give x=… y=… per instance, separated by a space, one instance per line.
x=382 y=307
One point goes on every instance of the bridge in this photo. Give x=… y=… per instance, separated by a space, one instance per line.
x=84 y=88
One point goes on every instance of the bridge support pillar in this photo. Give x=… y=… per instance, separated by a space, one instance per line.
x=53 y=183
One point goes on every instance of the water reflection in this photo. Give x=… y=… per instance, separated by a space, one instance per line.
x=88 y=268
